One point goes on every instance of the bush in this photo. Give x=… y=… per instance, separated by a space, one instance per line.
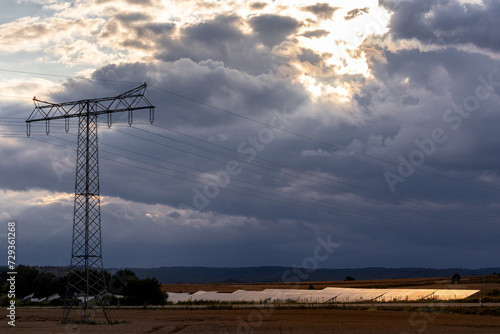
x=4 y=301
x=494 y=293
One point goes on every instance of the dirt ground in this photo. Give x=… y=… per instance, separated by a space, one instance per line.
x=256 y=321
x=272 y=319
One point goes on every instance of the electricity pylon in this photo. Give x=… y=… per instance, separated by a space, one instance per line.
x=86 y=282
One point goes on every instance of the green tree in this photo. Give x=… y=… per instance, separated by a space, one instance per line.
x=117 y=282
x=143 y=291
x=25 y=280
x=45 y=284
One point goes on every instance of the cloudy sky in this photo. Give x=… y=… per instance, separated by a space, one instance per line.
x=371 y=126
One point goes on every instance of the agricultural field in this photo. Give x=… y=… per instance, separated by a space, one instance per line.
x=487 y=285
x=422 y=317
x=262 y=321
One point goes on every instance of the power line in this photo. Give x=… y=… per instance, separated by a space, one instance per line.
x=300 y=176
x=258 y=195
x=448 y=216
x=315 y=188
x=178 y=177
x=244 y=117
x=69 y=76
x=286 y=201
x=277 y=164
x=317 y=140
x=213 y=174
x=248 y=183
x=264 y=124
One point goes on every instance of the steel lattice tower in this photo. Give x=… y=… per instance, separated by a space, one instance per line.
x=86 y=281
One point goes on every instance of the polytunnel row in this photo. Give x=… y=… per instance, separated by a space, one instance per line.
x=326 y=295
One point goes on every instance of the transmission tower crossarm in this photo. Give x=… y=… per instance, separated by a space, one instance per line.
x=131 y=100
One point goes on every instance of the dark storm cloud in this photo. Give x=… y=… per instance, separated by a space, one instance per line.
x=329 y=191
x=322 y=10
x=356 y=12
x=422 y=67
x=224 y=28
x=429 y=85
x=273 y=29
x=446 y=22
x=219 y=39
x=134 y=30
x=207 y=81
x=410 y=100
x=43 y=176
x=212 y=82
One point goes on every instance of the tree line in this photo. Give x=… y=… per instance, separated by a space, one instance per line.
x=124 y=285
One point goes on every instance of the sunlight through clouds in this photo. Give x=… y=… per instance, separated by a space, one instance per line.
x=88 y=34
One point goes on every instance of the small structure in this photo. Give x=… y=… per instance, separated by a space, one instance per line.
x=28 y=297
x=54 y=296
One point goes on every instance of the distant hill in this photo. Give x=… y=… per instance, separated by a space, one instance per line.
x=279 y=274
x=193 y=275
